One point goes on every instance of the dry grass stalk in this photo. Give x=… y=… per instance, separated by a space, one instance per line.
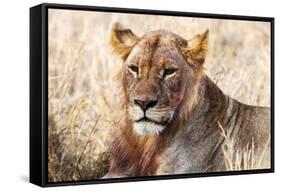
x=240 y=159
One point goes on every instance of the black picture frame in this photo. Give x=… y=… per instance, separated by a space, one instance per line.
x=39 y=92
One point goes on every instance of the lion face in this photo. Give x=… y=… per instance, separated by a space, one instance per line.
x=158 y=75
x=154 y=75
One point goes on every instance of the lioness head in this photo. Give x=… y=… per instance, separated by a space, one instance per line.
x=159 y=76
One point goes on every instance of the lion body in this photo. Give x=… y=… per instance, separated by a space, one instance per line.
x=191 y=140
x=197 y=147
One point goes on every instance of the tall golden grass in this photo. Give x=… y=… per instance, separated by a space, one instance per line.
x=83 y=94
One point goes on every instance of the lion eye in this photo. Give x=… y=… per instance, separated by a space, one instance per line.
x=134 y=68
x=169 y=72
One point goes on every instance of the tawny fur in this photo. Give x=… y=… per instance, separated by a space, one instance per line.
x=191 y=141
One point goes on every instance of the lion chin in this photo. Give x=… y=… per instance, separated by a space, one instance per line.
x=147 y=128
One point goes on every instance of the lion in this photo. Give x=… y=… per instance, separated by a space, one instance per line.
x=174 y=114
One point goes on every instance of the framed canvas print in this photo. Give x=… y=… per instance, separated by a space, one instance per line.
x=127 y=94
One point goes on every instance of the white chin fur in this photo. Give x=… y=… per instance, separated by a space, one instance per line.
x=147 y=128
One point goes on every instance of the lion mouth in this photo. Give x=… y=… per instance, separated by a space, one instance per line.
x=146 y=119
x=161 y=117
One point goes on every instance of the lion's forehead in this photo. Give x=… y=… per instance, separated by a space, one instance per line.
x=156 y=39
x=164 y=36
x=157 y=48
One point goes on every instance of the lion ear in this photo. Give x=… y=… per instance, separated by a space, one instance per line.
x=196 y=49
x=122 y=40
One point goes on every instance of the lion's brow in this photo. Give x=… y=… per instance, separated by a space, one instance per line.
x=153 y=47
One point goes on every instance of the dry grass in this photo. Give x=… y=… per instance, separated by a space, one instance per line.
x=242 y=158
x=83 y=95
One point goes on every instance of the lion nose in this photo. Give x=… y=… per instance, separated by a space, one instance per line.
x=145 y=104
